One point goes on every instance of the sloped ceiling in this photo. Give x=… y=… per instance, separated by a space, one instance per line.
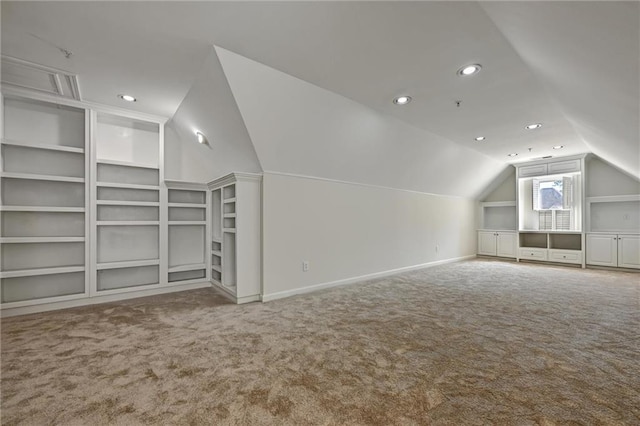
x=572 y=66
x=209 y=108
x=302 y=129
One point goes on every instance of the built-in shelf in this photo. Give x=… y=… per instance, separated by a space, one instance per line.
x=127 y=164
x=216 y=252
x=229 y=200
x=41 y=271
x=217 y=268
x=230 y=230
x=128 y=203
x=188 y=205
x=31 y=176
x=229 y=215
x=187 y=222
x=48 y=147
x=128 y=223
x=128 y=264
x=126 y=185
x=43 y=209
x=191 y=267
x=20 y=240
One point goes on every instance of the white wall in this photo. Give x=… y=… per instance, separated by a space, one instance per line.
x=505 y=190
x=348 y=230
x=210 y=108
x=299 y=128
x=604 y=179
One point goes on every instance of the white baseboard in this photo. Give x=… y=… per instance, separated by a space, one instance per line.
x=347 y=281
x=23 y=310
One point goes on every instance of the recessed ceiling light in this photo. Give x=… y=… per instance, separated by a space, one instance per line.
x=533 y=126
x=558 y=147
x=127 y=98
x=480 y=138
x=469 y=69
x=513 y=155
x=402 y=100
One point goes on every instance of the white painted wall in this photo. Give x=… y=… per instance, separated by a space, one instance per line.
x=302 y=129
x=347 y=230
x=210 y=108
x=604 y=179
x=505 y=190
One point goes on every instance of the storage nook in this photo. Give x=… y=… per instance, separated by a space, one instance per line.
x=187 y=212
x=44 y=195
x=236 y=235
x=613 y=231
x=550 y=210
x=127 y=196
x=497 y=235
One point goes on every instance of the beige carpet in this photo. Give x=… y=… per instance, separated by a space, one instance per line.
x=478 y=342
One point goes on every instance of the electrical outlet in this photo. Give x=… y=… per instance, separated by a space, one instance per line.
x=437 y=248
x=305 y=265
x=625 y=217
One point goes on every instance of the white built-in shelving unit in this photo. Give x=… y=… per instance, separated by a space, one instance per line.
x=613 y=231
x=235 y=235
x=127 y=168
x=44 y=202
x=85 y=213
x=187 y=220
x=497 y=234
x=551 y=235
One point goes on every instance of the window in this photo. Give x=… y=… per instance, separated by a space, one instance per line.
x=553 y=201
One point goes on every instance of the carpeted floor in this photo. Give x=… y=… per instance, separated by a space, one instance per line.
x=478 y=342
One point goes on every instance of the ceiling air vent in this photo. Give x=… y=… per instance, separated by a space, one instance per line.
x=30 y=76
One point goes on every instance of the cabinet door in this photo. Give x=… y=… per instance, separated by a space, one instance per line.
x=507 y=244
x=487 y=243
x=629 y=251
x=564 y=166
x=602 y=249
x=535 y=170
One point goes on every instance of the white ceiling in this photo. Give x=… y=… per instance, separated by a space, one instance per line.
x=572 y=66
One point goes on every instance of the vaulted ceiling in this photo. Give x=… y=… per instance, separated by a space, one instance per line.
x=572 y=66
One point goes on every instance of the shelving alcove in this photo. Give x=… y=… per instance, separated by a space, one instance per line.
x=44 y=199
x=188 y=229
x=613 y=231
x=550 y=210
x=497 y=235
x=235 y=235
x=84 y=212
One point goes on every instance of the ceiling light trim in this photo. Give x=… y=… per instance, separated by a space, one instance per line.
x=402 y=100
x=469 y=70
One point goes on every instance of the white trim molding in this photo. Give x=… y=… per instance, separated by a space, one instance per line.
x=358 y=279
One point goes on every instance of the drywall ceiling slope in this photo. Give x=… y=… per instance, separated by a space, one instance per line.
x=587 y=55
x=302 y=129
x=210 y=108
x=117 y=48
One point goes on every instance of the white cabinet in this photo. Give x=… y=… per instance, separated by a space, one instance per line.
x=615 y=250
x=535 y=170
x=533 y=253
x=557 y=247
x=550 y=168
x=236 y=229
x=497 y=243
x=563 y=167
